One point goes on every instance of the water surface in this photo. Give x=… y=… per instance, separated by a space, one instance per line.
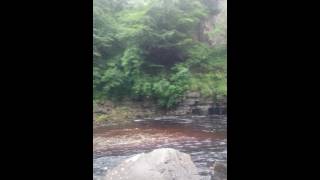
x=204 y=138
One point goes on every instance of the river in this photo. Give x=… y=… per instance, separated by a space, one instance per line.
x=203 y=137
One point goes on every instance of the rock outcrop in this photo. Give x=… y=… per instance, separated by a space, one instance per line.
x=194 y=104
x=160 y=164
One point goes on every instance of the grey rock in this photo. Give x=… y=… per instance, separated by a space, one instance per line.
x=220 y=171
x=204 y=107
x=193 y=95
x=190 y=102
x=160 y=164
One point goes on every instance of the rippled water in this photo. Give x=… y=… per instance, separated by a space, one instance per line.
x=204 y=138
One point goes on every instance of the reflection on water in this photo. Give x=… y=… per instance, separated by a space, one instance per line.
x=204 y=138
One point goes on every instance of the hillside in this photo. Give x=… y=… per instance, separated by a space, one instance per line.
x=158 y=50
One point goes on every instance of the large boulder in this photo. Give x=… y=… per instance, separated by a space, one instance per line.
x=160 y=164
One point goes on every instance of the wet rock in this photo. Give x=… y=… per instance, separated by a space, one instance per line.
x=182 y=110
x=194 y=103
x=204 y=108
x=103 y=164
x=190 y=102
x=220 y=171
x=197 y=111
x=217 y=110
x=160 y=164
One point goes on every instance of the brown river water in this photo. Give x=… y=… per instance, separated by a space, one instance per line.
x=203 y=137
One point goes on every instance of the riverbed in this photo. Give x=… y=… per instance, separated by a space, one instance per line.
x=203 y=137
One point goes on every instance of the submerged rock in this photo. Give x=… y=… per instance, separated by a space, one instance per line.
x=160 y=164
x=220 y=171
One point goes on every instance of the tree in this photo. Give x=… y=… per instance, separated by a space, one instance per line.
x=149 y=50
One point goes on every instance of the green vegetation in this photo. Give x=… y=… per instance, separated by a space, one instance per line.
x=151 y=50
x=117 y=114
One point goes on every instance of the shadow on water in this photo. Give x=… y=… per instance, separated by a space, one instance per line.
x=204 y=138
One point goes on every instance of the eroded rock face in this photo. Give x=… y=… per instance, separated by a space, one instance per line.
x=160 y=164
x=193 y=103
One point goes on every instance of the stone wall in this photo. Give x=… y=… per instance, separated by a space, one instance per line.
x=194 y=104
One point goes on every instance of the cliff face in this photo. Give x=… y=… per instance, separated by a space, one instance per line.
x=194 y=104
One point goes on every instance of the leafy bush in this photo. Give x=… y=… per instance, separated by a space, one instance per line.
x=168 y=91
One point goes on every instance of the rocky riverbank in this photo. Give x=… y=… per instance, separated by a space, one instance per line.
x=194 y=103
x=109 y=113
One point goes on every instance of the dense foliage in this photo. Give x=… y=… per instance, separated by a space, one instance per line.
x=152 y=50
